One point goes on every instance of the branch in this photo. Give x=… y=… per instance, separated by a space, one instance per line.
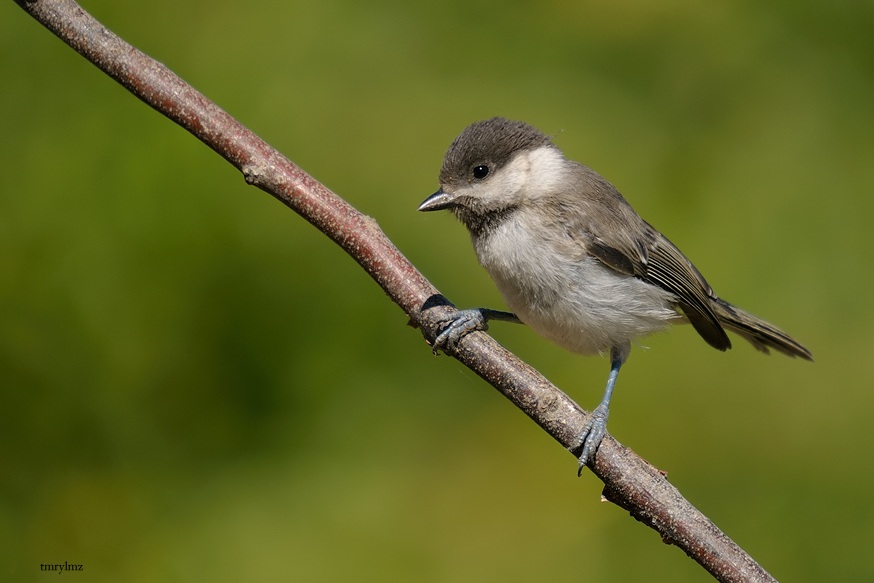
x=629 y=481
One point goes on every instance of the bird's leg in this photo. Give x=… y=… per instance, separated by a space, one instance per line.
x=467 y=321
x=596 y=425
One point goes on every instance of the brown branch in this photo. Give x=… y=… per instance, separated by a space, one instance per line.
x=630 y=482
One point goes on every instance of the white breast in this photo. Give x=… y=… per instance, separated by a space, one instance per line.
x=579 y=304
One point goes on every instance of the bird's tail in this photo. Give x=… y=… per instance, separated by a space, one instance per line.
x=757 y=332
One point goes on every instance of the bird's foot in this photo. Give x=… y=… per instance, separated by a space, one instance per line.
x=464 y=322
x=593 y=432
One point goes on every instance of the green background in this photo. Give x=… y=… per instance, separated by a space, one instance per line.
x=196 y=385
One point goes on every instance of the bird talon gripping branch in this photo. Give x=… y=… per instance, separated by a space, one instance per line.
x=464 y=322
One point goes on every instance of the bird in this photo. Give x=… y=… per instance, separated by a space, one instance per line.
x=573 y=260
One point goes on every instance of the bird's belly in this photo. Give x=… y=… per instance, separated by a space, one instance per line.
x=581 y=304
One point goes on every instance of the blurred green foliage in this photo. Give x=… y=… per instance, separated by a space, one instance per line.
x=198 y=386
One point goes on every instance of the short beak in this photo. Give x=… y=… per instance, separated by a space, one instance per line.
x=438 y=201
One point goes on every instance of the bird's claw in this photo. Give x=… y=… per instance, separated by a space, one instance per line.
x=593 y=432
x=462 y=324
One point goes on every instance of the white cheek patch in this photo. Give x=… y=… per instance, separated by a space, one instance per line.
x=506 y=186
x=533 y=174
x=529 y=175
x=546 y=169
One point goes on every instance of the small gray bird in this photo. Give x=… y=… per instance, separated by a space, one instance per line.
x=572 y=259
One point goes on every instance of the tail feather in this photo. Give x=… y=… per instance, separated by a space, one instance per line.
x=757 y=332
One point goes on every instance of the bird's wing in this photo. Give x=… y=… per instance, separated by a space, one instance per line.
x=650 y=256
x=604 y=225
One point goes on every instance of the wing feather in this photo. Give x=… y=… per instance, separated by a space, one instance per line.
x=617 y=236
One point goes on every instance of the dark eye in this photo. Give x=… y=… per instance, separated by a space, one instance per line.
x=480 y=171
